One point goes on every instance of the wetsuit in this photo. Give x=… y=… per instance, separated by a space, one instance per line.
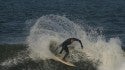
x=65 y=44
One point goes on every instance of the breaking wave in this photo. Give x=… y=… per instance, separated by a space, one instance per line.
x=55 y=29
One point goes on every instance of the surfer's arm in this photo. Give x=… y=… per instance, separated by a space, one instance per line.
x=58 y=47
x=79 y=42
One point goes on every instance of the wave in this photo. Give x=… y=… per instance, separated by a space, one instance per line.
x=58 y=28
x=52 y=30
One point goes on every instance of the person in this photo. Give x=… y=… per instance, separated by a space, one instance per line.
x=65 y=44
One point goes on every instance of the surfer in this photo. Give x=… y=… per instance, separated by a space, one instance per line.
x=65 y=44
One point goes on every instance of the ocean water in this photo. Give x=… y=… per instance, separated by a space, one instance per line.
x=28 y=28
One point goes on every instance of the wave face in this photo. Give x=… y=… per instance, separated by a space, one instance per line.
x=55 y=29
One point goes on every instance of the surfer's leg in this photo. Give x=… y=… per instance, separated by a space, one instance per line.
x=61 y=50
x=67 y=52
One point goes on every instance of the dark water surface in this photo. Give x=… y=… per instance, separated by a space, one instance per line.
x=108 y=14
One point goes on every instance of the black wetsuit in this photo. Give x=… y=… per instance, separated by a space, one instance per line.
x=65 y=44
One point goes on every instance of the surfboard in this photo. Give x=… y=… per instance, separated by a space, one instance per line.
x=64 y=62
x=57 y=57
